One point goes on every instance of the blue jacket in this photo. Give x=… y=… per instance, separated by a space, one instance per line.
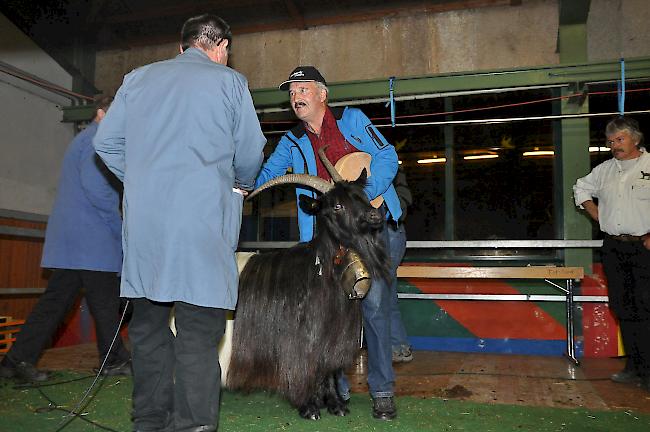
x=295 y=151
x=84 y=229
x=181 y=134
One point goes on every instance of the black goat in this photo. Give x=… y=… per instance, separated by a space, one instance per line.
x=295 y=329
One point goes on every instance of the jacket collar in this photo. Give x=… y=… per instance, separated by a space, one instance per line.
x=194 y=54
x=299 y=130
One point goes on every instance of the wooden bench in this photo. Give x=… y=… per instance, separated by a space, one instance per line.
x=546 y=273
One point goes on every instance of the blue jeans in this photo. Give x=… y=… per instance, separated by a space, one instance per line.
x=396 y=249
x=377 y=308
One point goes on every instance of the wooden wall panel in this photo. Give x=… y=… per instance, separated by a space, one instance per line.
x=20 y=259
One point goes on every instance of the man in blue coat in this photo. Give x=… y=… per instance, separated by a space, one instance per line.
x=344 y=130
x=83 y=246
x=184 y=138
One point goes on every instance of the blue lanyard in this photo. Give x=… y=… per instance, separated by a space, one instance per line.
x=621 y=90
x=391 y=102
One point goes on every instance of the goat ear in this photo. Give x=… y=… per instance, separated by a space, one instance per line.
x=308 y=204
x=362 y=177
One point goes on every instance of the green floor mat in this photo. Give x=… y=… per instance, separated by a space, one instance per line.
x=25 y=409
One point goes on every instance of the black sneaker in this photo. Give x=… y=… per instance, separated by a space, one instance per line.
x=23 y=371
x=383 y=408
x=625 y=376
x=123 y=368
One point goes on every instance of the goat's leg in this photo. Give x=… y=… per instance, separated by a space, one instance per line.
x=335 y=404
x=311 y=409
x=326 y=395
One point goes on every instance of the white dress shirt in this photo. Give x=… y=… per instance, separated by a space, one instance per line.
x=623 y=192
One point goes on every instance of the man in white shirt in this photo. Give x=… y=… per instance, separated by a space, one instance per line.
x=622 y=188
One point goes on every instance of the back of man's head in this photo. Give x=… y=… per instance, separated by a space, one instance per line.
x=205 y=31
x=102 y=102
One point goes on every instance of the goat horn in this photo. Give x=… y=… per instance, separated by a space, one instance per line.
x=321 y=185
x=328 y=165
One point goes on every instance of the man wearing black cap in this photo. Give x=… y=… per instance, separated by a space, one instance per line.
x=343 y=130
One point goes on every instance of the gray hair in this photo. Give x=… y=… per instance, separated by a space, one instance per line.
x=626 y=124
x=102 y=102
x=322 y=86
x=205 y=31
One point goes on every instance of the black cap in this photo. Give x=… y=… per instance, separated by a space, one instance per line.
x=303 y=74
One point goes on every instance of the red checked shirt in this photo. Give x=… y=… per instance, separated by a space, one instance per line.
x=329 y=135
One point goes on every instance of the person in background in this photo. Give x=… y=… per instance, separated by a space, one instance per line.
x=622 y=187
x=83 y=248
x=402 y=352
x=343 y=130
x=184 y=138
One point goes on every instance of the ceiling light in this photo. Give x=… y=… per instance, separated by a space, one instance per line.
x=434 y=160
x=539 y=153
x=598 y=149
x=483 y=156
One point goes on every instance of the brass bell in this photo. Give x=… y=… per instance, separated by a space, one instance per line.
x=355 y=278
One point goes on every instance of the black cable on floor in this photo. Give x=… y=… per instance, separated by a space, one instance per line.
x=29 y=385
x=53 y=406
x=74 y=413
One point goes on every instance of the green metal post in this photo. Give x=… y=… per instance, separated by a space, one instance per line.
x=574 y=163
x=450 y=184
x=573 y=154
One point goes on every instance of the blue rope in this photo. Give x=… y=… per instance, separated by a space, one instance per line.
x=621 y=90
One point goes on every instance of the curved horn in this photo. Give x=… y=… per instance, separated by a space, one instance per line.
x=328 y=165
x=321 y=185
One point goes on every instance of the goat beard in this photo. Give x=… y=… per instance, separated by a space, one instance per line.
x=370 y=247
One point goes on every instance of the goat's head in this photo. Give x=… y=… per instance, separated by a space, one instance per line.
x=344 y=213
x=344 y=216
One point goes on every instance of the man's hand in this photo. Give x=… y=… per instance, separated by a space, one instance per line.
x=646 y=241
x=242 y=192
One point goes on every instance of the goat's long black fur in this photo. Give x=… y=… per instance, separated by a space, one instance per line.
x=295 y=328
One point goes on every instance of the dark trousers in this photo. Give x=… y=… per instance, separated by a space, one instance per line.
x=627 y=267
x=636 y=341
x=102 y=291
x=176 y=380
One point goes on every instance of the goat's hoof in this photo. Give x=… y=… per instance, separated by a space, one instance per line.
x=340 y=410
x=309 y=413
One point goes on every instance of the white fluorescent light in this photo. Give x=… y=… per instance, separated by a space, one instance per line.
x=598 y=149
x=434 y=160
x=483 y=156
x=539 y=153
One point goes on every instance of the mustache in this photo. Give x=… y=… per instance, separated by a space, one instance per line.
x=299 y=104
